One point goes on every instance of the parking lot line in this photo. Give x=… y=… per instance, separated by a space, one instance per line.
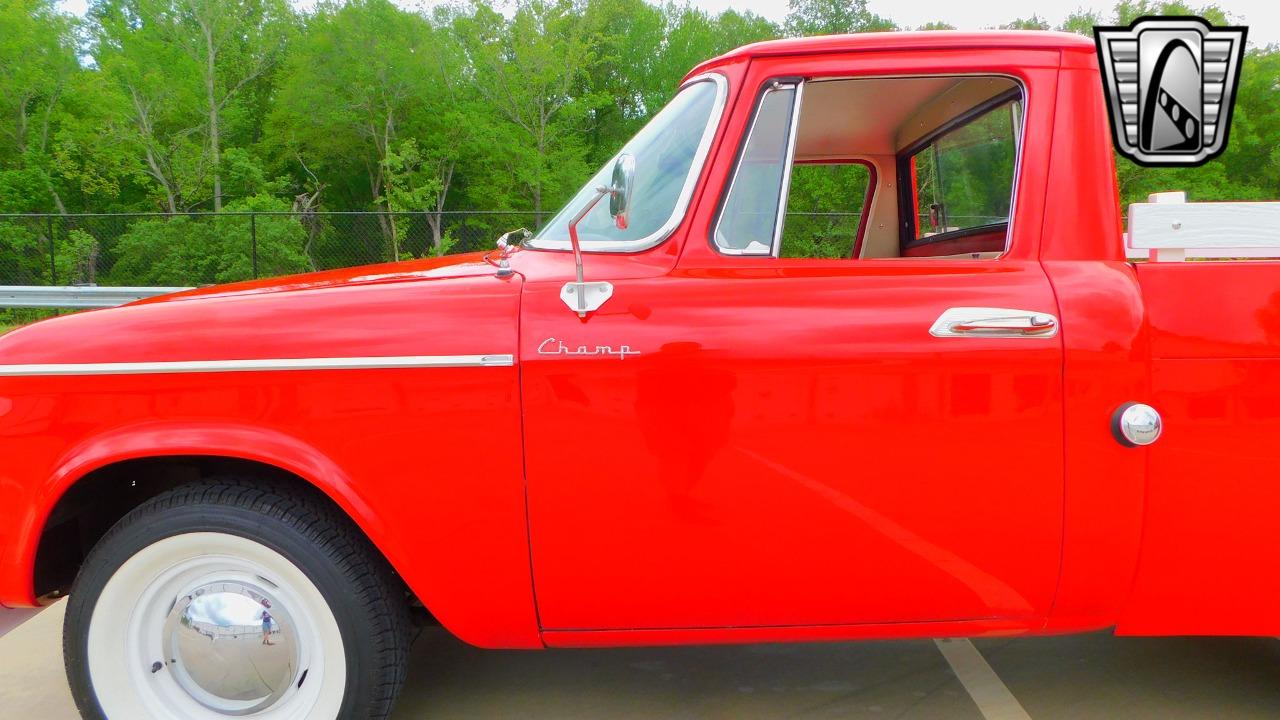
x=988 y=691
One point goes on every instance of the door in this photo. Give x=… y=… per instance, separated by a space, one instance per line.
x=793 y=450
x=795 y=442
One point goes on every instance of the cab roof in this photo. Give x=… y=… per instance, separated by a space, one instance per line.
x=917 y=40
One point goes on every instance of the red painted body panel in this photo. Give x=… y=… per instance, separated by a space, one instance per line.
x=786 y=453
x=407 y=452
x=1106 y=351
x=748 y=467
x=801 y=633
x=1208 y=563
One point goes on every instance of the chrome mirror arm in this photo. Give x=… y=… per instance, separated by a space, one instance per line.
x=584 y=297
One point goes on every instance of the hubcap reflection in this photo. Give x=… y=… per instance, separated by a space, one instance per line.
x=232 y=647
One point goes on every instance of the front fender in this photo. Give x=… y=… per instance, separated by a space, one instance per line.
x=231 y=440
x=227 y=440
x=406 y=451
x=288 y=453
x=151 y=439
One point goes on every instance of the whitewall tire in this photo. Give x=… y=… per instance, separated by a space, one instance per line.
x=226 y=599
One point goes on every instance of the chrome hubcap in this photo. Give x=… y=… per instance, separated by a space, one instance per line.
x=232 y=646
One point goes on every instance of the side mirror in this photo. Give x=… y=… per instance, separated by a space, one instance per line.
x=583 y=297
x=622 y=185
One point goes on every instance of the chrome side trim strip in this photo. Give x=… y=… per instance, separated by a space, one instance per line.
x=270 y=364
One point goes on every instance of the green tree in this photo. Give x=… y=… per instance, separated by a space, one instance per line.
x=830 y=17
x=629 y=71
x=1082 y=22
x=526 y=70
x=359 y=104
x=152 y=82
x=77 y=258
x=414 y=184
x=37 y=67
x=231 y=44
x=188 y=250
x=643 y=52
x=1035 y=22
x=1126 y=11
x=182 y=65
x=341 y=106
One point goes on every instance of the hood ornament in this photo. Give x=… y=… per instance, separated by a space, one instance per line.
x=508 y=245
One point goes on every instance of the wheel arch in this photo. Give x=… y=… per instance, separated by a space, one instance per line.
x=100 y=480
x=461 y=549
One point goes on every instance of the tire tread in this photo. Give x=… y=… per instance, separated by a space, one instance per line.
x=373 y=585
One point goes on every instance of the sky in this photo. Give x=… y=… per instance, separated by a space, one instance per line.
x=1262 y=16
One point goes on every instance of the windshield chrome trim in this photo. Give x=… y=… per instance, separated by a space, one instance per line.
x=268 y=364
x=679 y=212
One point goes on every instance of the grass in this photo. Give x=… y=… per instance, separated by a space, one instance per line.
x=14 y=318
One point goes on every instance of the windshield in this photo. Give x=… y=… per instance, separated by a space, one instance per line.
x=669 y=152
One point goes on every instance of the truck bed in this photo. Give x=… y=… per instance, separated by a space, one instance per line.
x=1212 y=482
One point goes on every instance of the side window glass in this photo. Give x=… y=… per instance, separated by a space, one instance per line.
x=963 y=180
x=749 y=219
x=825 y=209
x=871 y=168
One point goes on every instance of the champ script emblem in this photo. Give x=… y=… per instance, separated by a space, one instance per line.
x=552 y=346
x=1170 y=84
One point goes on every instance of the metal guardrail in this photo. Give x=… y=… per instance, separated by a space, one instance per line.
x=76 y=296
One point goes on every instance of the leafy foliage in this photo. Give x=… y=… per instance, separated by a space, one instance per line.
x=185 y=250
x=824 y=207
x=828 y=17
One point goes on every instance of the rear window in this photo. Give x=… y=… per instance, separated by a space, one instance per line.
x=962 y=178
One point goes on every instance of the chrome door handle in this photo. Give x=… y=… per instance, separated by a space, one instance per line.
x=1023 y=324
x=994 y=323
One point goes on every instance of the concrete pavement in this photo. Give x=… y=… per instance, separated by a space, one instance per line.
x=1060 y=678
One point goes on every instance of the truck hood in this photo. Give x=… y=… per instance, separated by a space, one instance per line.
x=449 y=266
x=440 y=306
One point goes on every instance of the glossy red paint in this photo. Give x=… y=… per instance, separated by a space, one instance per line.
x=406 y=452
x=746 y=449
x=1207 y=564
x=1106 y=350
x=751 y=455
x=795 y=633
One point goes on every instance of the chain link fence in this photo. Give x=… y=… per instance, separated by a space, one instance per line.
x=191 y=249
x=148 y=249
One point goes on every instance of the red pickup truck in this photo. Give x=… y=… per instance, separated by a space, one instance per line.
x=843 y=344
